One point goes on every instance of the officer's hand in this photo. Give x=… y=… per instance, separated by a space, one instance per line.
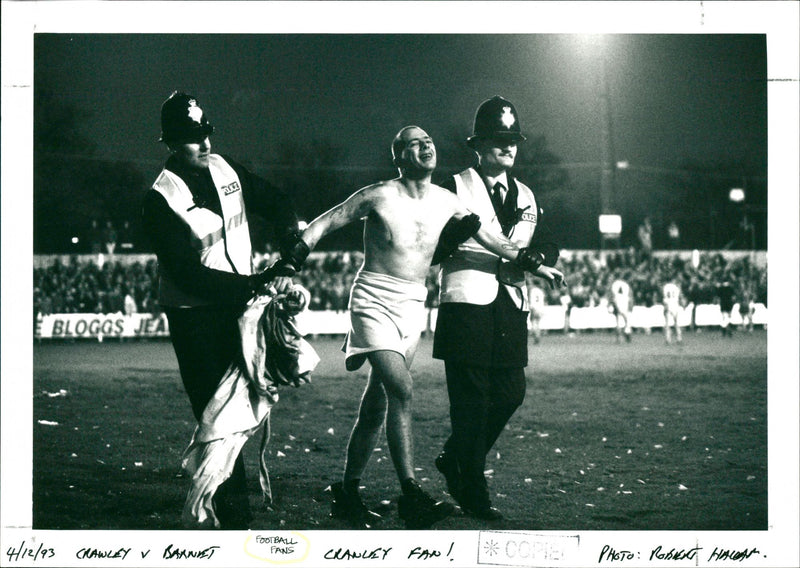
x=529 y=260
x=548 y=250
x=553 y=276
x=294 y=251
x=278 y=274
x=281 y=284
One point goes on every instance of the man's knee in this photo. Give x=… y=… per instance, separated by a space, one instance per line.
x=373 y=406
x=373 y=401
x=400 y=389
x=390 y=369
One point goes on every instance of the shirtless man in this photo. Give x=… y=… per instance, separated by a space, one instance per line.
x=404 y=219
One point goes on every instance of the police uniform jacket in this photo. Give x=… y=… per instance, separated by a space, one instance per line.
x=482 y=317
x=197 y=224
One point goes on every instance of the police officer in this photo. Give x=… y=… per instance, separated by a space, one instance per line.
x=196 y=218
x=481 y=330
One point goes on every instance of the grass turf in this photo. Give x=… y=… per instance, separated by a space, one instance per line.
x=639 y=436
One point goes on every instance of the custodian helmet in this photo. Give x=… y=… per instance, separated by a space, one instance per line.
x=182 y=118
x=496 y=118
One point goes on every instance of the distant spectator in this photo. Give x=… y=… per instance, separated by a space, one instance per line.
x=126 y=243
x=694 y=296
x=725 y=293
x=672 y=300
x=115 y=301
x=94 y=237
x=621 y=305
x=536 y=301
x=746 y=308
x=673 y=236
x=110 y=238
x=645 y=234
x=566 y=303
x=129 y=303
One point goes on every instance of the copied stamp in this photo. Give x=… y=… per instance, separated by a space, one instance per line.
x=525 y=549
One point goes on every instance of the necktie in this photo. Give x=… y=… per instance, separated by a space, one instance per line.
x=497 y=197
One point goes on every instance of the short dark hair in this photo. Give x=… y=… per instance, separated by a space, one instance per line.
x=398 y=144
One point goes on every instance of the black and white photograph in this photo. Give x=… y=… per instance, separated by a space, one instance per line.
x=400 y=284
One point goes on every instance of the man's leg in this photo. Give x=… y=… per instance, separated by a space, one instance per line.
x=447 y=460
x=474 y=431
x=507 y=394
x=507 y=391
x=418 y=509
x=206 y=342
x=667 y=326
x=347 y=503
x=389 y=368
x=364 y=436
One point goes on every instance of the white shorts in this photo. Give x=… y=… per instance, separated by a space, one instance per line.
x=386 y=313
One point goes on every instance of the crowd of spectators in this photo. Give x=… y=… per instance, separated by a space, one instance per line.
x=117 y=286
x=589 y=276
x=95 y=287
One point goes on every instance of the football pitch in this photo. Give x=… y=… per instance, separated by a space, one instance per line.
x=628 y=436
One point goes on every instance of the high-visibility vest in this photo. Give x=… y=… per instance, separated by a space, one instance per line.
x=221 y=243
x=472 y=274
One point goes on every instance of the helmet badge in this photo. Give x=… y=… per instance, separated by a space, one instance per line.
x=507 y=118
x=195 y=112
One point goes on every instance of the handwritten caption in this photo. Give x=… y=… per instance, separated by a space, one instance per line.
x=25 y=552
x=609 y=554
x=287 y=549
x=291 y=548
x=381 y=553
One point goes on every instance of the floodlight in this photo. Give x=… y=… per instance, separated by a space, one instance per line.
x=736 y=195
x=610 y=225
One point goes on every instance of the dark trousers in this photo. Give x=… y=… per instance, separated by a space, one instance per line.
x=482 y=400
x=206 y=341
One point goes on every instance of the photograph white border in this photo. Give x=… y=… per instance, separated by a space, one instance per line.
x=21 y=20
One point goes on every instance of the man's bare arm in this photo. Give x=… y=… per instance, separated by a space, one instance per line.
x=352 y=209
x=527 y=258
x=297 y=246
x=497 y=244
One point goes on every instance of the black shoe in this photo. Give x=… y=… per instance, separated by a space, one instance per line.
x=349 y=507
x=419 y=510
x=477 y=504
x=448 y=467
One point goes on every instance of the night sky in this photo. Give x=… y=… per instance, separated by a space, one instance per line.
x=673 y=97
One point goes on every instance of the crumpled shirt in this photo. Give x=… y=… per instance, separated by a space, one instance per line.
x=273 y=353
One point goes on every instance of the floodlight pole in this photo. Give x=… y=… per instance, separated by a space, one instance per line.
x=607 y=177
x=607 y=174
